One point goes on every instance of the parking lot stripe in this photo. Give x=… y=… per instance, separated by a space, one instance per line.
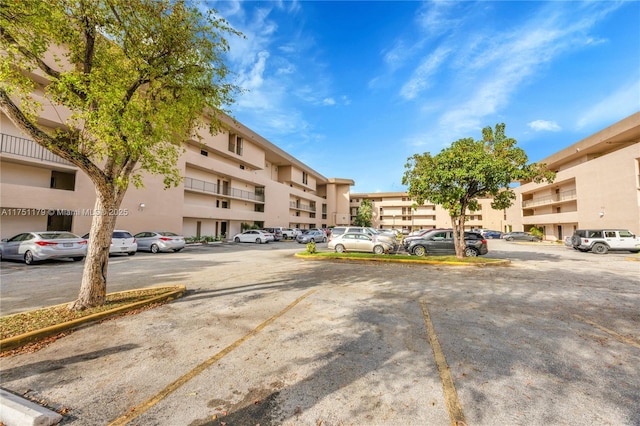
x=450 y=395
x=145 y=406
x=617 y=336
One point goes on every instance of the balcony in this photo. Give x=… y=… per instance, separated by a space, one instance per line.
x=212 y=188
x=300 y=206
x=28 y=148
x=561 y=197
x=551 y=218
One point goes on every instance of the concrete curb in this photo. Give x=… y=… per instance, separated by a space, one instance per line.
x=22 y=339
x=18 y=411
x=417 y=261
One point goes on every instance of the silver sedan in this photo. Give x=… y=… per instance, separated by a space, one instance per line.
x=155 y=241
x=357 y=241
x=35 y=246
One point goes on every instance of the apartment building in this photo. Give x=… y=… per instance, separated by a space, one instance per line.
x=597 y=186
x=394 y=210
x=232 y=178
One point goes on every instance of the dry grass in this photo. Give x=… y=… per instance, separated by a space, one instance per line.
x=25 y=322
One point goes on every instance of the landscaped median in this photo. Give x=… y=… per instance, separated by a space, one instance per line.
x=403 y=258
x=23 y=328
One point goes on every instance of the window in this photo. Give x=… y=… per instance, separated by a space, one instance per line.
x=225 y=204
x=232 y=142
x=239 y=144
x=242 y=166
x=610 y=234
x=204 y=152
x=62 y=180
x=304 y=177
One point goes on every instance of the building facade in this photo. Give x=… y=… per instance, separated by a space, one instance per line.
x=597 y=185
x=395 y=210
x=232 y=178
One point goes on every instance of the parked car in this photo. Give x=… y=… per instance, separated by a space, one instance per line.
x=520 y=236
x=440 y=242
x=414 y=236
x=309 y=235
x=489 y=234
x=276 y=232
x=600 y=241
x=339 y=230
x=358 y=241
x=253 y=236
x=155 y=241
x=121 y=242
x=35 y=246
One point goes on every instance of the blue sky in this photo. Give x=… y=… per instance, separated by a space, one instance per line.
x=354 y=88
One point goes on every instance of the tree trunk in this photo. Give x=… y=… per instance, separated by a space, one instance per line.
x=458 y=235
x=93 y=289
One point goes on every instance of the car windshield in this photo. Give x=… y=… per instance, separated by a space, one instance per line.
x=168 y=234
x=121 y=235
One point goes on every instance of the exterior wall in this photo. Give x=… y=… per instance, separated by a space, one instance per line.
x=597 y=185
x=221 y=190
x=395 y=210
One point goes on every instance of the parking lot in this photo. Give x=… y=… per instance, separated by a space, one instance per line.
x=266 y=338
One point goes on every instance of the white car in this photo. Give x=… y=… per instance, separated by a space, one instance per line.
x=253 y=236
x=121 y=242
x=34 y=246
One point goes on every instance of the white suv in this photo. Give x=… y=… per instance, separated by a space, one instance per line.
x=600 y=241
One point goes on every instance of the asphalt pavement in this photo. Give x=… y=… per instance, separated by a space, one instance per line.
x=265 y=338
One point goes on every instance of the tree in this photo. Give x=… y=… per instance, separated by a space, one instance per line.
x=365 y=212
x=468 y=170
x=134 y=79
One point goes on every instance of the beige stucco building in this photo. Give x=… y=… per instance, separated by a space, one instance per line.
x=394 y=210
x=597 y=186
x=231 y=178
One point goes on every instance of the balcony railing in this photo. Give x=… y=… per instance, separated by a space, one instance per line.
x=550 y=199
x=300 y=206
x=212 y=188
x=28 y=148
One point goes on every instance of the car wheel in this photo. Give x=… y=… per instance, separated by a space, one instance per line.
x=176 y=250
x=339 y=248
x=236 y=239
x=509 y=238
x=258 y=240
x=78 y=259
x=154 y=248
x=132 y=253
x=324 y=239
x=378 y=250
x=470 y=252
x=599 y=248
x=419 y=251
x=28 y=258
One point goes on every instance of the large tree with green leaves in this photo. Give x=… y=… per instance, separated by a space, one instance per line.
x=365 y=213
x=134 y=79
x=470 y=169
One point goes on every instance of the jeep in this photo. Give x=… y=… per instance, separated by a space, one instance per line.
x=600 y=241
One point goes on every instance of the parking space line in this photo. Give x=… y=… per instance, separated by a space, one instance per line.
x=145 y=406
x=617 y=336
x=450 y=395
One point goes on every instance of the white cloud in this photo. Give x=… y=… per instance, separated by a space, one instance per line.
x=544 y=126
x=621 y=103
x=328 y=101
x=421 y=78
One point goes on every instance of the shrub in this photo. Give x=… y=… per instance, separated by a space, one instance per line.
x=311 y=247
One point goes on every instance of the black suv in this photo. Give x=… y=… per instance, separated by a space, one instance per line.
x=440 y=242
